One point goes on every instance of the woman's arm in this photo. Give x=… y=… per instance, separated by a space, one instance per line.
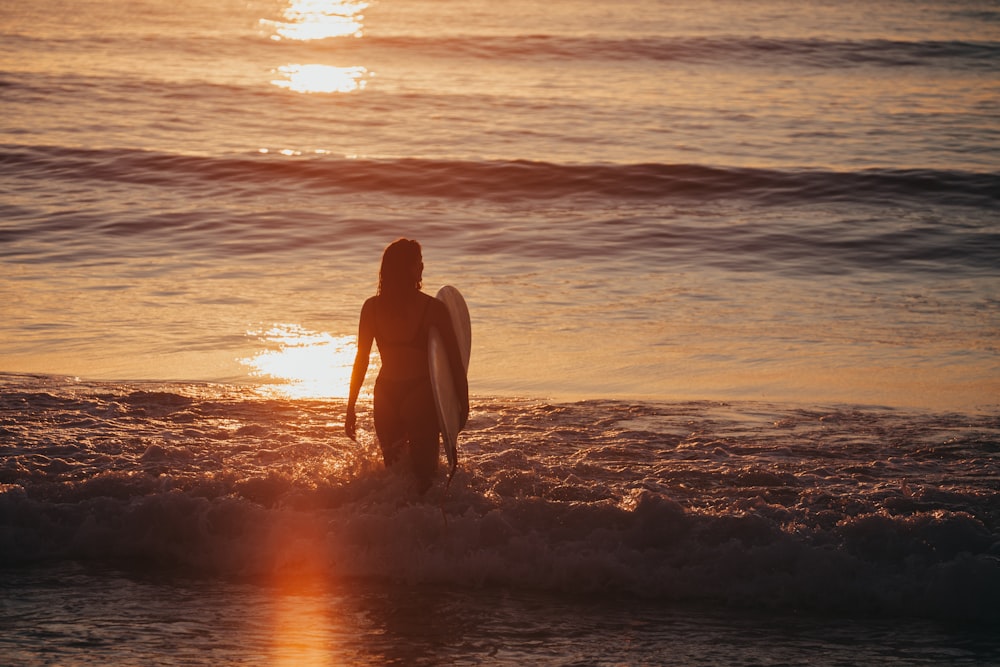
x=366 y=335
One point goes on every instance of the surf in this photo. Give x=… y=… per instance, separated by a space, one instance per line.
x=747 y=505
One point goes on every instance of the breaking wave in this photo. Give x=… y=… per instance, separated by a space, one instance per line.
x=842 y=511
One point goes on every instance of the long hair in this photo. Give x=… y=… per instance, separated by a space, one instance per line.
x=400 y=263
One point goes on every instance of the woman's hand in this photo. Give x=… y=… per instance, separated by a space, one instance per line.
x=351 y=424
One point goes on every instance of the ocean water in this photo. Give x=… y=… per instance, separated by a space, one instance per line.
x=732 y=269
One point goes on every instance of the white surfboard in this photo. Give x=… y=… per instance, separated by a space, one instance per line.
x=449 y=407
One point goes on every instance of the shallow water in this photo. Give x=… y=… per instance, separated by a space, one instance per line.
x=210 y=524
x=167 y=622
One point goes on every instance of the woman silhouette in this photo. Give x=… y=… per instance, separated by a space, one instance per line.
x=398 y=318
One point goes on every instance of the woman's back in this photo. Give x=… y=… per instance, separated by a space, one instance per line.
x=401 y=327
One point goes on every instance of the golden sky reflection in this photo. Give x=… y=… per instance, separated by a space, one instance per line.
x=302 y=633
x=299 y=363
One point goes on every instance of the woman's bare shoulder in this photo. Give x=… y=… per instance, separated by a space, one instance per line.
x=368 y=307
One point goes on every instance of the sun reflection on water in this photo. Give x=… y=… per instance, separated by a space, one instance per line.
x=299 y=363
x=306 y=20
x=321 y=78
x=310 y=20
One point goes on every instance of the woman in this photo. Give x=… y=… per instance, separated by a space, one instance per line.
x=398 y=319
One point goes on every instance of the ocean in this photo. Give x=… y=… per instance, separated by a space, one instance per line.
x=733 y=273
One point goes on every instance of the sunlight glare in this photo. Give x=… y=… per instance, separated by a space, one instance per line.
x=302 y=363
x=307 y=20
x=321 y=78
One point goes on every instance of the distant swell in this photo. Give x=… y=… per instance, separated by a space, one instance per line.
x=503 y=180
x=747 y=50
